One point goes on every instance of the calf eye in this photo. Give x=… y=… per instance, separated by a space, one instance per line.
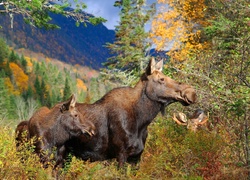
x=76 y=115
x=161 y=80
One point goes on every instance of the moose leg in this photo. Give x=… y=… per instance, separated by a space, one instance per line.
x=61 y=154
x=122 y=158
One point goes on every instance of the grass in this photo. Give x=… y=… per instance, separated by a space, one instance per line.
x=171 y=152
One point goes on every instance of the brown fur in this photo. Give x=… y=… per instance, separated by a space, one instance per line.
x=122 y=116
x=53 y=127
x=22 y=133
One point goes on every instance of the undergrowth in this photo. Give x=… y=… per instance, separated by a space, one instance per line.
x=171 y=152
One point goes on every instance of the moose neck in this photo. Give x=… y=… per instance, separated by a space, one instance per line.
x=59 y=133
x=146 y=109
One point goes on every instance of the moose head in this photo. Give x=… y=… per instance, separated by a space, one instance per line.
x=163 y=89
x=72 y=119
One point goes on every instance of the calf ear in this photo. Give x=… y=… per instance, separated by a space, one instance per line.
x=69 y=103
x=73 y=101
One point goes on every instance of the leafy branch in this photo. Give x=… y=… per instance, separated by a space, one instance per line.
x=37 y=12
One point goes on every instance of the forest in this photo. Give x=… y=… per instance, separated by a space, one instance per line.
x=210 y=50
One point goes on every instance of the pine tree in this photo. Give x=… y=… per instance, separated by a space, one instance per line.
x=130 y=46
x=66 y=90
x=13 y=57
x=43 y=93
x=23 y=62
x=3 y=51
x=37 y=88
x=7 y=69
x=4 y=100
x=28 y=94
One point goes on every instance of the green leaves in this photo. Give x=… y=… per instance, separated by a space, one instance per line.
x=37 y=12
x=131 y=43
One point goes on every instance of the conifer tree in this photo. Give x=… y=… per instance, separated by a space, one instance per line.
x=130 y=46
x=66 y=90
x=13 y=57
x=44 y=92
x=3 y=100
x=28 y=94
x=3 y=51
x=37 y=88
x=23 y=62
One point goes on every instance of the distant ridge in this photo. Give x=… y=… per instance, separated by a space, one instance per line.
x=75 y=45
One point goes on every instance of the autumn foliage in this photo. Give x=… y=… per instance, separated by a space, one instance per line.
x=19 y=77
x=177 y=27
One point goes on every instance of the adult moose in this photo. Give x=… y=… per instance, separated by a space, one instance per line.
x=122 y=116
x=53 y=127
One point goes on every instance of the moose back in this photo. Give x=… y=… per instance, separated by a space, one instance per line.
x=122 y=116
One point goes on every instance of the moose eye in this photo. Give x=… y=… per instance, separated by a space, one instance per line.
x=76 y=115
x=161 y=80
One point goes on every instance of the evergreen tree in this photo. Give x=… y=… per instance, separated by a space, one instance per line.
x=13 y=57
x=7 y=69
x=4 y=100
x=37 y=88
x=66 y=90
x=130 y=46
x=3 y=51
x=11 y=107
x=28 y=94
x=37 y=68
x=23 y=62
x=43 y=93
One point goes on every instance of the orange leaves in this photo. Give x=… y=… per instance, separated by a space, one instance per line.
x=179 y=25
x=20 y=77
x=80 y=85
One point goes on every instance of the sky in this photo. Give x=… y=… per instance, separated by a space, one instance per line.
x=105 y=9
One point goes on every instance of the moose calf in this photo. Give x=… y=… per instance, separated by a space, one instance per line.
x=53 y=127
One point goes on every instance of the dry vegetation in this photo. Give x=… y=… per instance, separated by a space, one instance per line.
x=171 y=152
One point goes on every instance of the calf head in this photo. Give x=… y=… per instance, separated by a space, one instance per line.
x=163 y=89
x=73 y=120
x=198 y=119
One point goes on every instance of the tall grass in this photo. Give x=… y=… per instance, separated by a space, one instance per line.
x=171 y=152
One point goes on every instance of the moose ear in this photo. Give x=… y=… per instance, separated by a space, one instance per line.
x=71 y=102
x=159 y=65
x=152 y=66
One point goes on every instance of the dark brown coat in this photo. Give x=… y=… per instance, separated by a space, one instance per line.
x=22 y=133
x=122 y=116
x=53 y=127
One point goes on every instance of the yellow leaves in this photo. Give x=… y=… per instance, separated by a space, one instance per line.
x=80 y=85
x=10 y=86
x=178 y=24
x=29 y=66
x=20 y=77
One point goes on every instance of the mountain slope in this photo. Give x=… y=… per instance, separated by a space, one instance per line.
x=71 y=44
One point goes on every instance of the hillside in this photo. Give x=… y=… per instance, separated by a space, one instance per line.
x=75 y=45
